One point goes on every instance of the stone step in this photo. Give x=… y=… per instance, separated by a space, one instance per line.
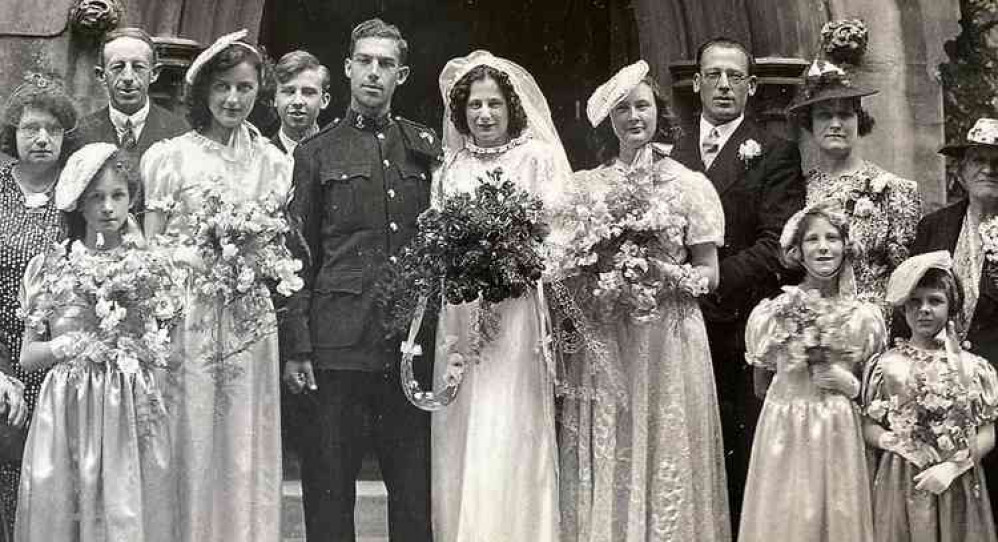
x=370 y=515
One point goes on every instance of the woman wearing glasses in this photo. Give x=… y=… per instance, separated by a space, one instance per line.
x=882 y=207
x=35 y=123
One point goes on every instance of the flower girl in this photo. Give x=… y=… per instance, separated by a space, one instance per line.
x=97 y=309
x=808 y=479
x=930 y=407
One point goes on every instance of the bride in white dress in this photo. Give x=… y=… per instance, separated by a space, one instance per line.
x=494 y=466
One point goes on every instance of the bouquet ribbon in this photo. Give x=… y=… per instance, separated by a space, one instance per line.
x=429 y=401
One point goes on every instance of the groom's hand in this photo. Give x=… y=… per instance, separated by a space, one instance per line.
x=298 y=375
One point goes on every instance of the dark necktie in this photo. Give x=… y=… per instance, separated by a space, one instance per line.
x=128 y=136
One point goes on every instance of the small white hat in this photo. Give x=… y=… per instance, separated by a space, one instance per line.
x=78 y=172
x=215 y=48
x=904 y=279
x=609 y=94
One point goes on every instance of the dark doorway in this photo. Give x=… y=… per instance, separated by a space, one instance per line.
x=569 y=46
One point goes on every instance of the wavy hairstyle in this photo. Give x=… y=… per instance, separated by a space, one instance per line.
x=793 y=232
x=198 y=113
x=45 y=94
x=864 y=120
x=461 y=92
x=604 y=141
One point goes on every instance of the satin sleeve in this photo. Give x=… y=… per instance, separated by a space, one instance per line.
x=161 y=177
x=703 y=210
x=986 y=380
x=867 y=333
x=29 y=294
x=759 y=336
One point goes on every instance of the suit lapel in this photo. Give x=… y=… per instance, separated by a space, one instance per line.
x=151 y=131
x=728 y=168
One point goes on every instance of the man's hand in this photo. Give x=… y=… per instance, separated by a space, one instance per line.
x=298 y=375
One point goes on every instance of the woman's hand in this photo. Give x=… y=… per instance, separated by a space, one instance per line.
x=834 y=377
x=937 y=478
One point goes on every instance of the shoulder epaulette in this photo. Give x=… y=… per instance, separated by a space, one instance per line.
x=421 y=138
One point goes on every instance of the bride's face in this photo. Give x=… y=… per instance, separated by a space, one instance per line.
x=635 y=118
x=487 y=114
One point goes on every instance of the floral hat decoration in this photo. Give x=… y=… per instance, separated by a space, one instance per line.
x=235 y=38
x=826 y=81
x=78 y=172
x=609 y=94
x=904 y=279
x=983 y=134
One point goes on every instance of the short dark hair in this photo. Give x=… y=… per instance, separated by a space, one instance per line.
x=128 y=32
x=122 y=162
x=42 y=93
x=376 y=28
x=296 y=62
x=728 y=43
x=198 y=113
x=864 y=120
x=461 y=91
x=605 y=142
x=948 y=283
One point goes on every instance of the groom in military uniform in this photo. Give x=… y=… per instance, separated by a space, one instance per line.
x=359 y=185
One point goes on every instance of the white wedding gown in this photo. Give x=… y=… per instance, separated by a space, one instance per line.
x=494 y=453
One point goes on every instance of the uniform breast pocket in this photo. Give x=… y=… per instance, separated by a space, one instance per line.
x=343 y=189
x=414 y=189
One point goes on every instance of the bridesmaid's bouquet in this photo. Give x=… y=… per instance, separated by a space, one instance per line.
x=482 y=245
x=136 y=296
x=808 y=328
x=615 y=248
x=241 y=246
x=939 y=418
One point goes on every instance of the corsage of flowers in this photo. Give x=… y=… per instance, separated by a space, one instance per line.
x=861 y=202
x=617 y=248
x=939 y=418
x=483 y=246
x=989 y=240
x=137 y=299
x=844 y=41
x=749 y=151
x=808 y=328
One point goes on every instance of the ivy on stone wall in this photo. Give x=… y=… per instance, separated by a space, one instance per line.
x=970 y=77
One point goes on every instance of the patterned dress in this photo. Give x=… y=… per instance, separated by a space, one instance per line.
x=901 y=512
x=24 y=233
x=642 y=458
x=225 y=406
x=883 y=210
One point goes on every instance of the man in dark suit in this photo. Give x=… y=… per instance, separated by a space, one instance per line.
x=302 y=92
x=955 y=228
x=758 y=177
x=359 y=185
x=130 y=120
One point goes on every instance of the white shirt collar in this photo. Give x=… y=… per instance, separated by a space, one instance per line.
x=138 y=120
x=725 y=130
x=291 y=144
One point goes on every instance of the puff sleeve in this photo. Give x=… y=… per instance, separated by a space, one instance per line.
x=161 y=177
x=759 y=335
x=702 y=207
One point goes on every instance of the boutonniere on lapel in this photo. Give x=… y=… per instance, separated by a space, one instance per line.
x=749 y=151
x=989 y=242
x=862 y=202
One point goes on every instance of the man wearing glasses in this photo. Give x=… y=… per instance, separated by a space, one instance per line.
x=758 y=177
x=359 y=185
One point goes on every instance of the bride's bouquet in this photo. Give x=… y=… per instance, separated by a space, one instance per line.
x=481 y=246
x=136 y=297
x=616 y=248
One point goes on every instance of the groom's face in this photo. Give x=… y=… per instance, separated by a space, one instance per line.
x=724 y=83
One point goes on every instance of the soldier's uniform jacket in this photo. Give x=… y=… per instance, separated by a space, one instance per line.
x=359 y=185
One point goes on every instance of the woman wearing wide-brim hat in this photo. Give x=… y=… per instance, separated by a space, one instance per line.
x=883 y=208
